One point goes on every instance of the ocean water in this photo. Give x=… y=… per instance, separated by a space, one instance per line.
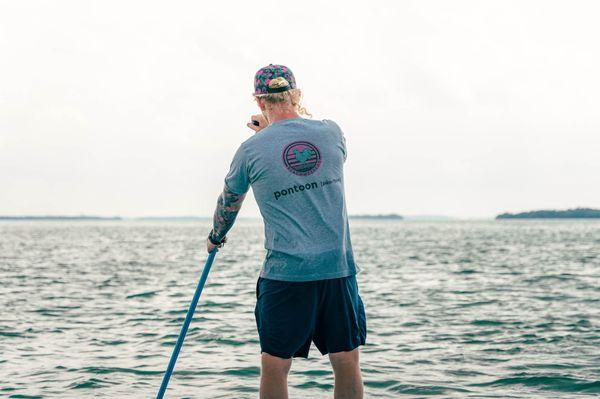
x=455 y=310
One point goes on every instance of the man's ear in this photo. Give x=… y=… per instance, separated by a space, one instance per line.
x=261 y=104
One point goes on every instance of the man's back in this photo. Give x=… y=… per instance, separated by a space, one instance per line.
x=295 y=168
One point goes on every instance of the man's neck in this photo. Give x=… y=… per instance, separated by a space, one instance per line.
x=274 y=117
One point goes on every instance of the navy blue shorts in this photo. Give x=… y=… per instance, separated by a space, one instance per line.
x=290 y=314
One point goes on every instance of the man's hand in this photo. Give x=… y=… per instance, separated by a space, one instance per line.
x=210 y=246
x=260 y=119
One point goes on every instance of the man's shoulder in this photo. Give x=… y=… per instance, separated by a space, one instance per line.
x=331 y=123
x=334 y=126
x=323 y=123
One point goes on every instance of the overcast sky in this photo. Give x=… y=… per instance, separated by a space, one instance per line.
x=464 y=108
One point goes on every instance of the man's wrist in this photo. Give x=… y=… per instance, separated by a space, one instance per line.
x=214 y=239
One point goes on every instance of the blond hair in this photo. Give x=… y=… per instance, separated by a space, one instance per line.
x=291 y=96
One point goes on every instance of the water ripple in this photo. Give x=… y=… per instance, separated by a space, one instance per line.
x=455 y=309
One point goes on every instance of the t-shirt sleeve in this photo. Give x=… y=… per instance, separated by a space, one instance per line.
x=340 y=134
x=343 y=144
x=237 y=179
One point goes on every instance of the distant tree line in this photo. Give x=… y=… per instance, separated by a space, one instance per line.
x=577 y=213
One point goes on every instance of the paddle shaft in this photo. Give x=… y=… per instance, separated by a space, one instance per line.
x=186 y=324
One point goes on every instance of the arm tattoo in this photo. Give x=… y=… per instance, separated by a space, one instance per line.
x=228 y=206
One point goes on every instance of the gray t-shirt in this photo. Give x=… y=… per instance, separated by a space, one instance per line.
x=295 y=168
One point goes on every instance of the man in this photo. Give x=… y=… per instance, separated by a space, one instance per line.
x=307 y=287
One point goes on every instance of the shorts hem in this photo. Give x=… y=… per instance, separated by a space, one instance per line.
x=343 y=349
x=282 y=356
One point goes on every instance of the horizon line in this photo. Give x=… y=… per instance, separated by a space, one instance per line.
x=158 y=217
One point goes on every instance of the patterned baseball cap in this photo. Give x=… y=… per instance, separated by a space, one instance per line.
x=266 y=79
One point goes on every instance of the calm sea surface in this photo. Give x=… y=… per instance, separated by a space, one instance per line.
x=455 y=310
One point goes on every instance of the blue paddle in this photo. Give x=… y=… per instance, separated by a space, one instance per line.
x=186 y=324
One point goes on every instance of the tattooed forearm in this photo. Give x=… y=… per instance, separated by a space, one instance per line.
x=228 y=206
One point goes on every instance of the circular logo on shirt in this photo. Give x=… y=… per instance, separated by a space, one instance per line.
x=301 y=158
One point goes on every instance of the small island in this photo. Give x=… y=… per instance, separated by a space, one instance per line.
x=577 y=213
x=392 y=216
x=67 y=218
